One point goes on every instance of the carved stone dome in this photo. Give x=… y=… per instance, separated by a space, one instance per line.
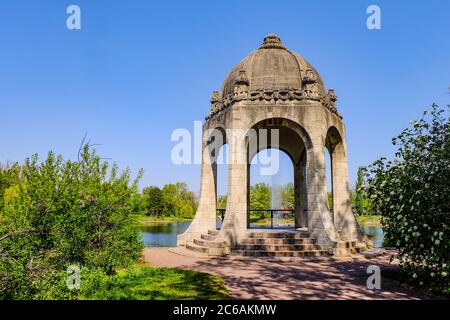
x=272 y=66
x=272 y=74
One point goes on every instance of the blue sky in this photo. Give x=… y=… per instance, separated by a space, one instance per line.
x=137 y=70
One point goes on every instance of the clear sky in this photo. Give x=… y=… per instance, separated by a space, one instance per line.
x=137 y=70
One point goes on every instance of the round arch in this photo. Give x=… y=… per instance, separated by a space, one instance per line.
x=332 y=139
x=217 y=156
x=339 y=193
x=279 y=177
x=291 y=138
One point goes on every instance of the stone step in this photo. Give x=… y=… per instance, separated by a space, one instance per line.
x=194 y=247
x=208 y=237
x=213 y=232
x=278 y=241
x=349 y=244
x=258 y=253
x=278 y=235
x=282 y=247
x=209 y=244
x=358 y=248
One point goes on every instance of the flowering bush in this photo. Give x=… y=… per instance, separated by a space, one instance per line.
x=412 y=193
x=64 y=213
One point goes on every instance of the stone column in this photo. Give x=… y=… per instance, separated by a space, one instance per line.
x=235 y=223
x=320 y=223
x=205 y=217
x=299 y=194
x=344 y=219
x=248 y=193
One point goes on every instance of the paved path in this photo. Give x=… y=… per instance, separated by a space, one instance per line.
x=251 y=278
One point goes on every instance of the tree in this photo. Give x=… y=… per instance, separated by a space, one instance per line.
x=153 y=201
x=178 y=200
x=222 y=202
x=360 y=200
x=137 y=203
x=352 y=195
x=287 y=196
x=260 y=198
x=411 y=193
x=9 y=177
x=65 y=213
x=330 y=200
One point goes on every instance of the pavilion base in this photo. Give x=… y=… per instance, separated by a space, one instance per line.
x=294 y=243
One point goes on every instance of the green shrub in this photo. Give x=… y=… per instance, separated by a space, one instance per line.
x=9 y=177
x=65 y=213
x=412 y=194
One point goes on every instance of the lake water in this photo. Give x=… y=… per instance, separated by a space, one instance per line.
x=377 y=233
x=165 y=235
x=162 y=235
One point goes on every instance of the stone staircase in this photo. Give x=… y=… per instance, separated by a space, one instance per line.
x=346 y=246
x=272 y=243
x=279 y=244
x=350 y=247
x=206 y=244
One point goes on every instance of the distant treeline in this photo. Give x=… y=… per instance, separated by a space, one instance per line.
x=261 y=197
x=174 y=199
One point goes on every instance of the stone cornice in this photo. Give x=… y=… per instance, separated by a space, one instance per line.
x=220 y=104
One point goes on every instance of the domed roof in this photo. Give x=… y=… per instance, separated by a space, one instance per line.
x=271 y=66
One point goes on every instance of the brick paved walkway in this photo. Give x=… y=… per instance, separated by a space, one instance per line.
x=252 y=278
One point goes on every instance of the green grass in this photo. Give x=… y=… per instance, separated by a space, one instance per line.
x=143 y=219
x=369 y=220
x=141 y=282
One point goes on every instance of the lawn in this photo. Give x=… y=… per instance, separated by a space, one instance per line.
x=372 y=220
x=142 y=282
x=144 y=220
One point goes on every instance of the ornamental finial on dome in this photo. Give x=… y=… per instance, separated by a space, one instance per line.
x=272 y=41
